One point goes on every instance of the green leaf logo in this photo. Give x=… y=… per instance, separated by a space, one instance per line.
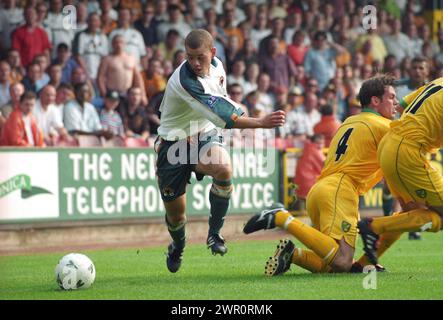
x=21 y=182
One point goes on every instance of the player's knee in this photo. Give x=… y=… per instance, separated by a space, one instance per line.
x=223 y=172
x=175 y=220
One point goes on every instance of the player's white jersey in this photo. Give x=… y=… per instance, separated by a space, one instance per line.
x=192 y=104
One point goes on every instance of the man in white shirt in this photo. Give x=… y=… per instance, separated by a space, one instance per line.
x=194 y=104
x=175 y=21
x=55 y=23
x=80 y=116
x=135 y=43
x=48 y=116
x=309 y=115
x=90 y=46
x=10 y=18
x=5 y=73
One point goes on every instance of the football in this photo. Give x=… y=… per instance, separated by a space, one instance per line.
x=75 y=271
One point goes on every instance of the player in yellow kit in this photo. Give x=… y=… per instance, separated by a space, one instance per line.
x=351 y=169
x=409 y=175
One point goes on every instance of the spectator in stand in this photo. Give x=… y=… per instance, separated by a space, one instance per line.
x=119 y=71
x=277 y=27
x=297 y=49
x=17 y=69
x=398 y=43
x=212 y=20
x=30 y=40
x=48 y=117
x=319 y=61
x=171 y=44
x=235 y=92
x=248 y=53
x=251 y=101
x=21 y=129
x=238 y=72
x=311 y=86
x=66 y=62
x=260 y=30
x=218 y=44
x=43 y=61
x=55 y=75
x=147 y=25
x=80 y=116
x=134 y=115
x=109 y=118
x=55 y=23
x=415 y=42
x=265 y=100
x=418 y=77
x=11 y=17
x=232 y=50
x=153 y=78
x=106 y=9
x=239 y=14
x=309 y=112
x=135 y=44
x=135 y=6
x=161 y=11
x=372 y=46
x=390 y=64
x=250 y=10
x=425 y=34
x=90 y=46
x=33 y=75
x=233 y=137
x=175 y=21
x=5 y=83
x=328 y=125
x=280 y=68
x=179 y=57
x=230 y=26
x=194 y=15
x=293 y=24
x=16 y=90
x=300 y=78
x=42 y=14
x=82 y=17
x=65 y=93
x=309 y=167
x=251 y=78
x=108 y=17
x=383 y=26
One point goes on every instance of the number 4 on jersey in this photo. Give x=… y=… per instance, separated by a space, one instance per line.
x=343 y=144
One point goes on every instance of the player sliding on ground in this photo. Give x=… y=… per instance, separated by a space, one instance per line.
x=351 y=169
x=403 y=155
x=194 y=104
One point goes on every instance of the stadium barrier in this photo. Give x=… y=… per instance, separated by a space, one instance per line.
x=81 y=184
x=72 y=184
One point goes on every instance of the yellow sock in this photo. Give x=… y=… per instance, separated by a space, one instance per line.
x=414 y=220
x=386 y=241
x=310 y=261
x=324 y=246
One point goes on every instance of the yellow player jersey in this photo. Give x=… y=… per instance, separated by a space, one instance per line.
x=353 y=150
x=422 y=120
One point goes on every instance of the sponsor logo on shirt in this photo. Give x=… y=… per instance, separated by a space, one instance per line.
x=210 y=102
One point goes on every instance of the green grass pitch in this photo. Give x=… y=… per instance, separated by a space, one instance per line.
x=415 y=272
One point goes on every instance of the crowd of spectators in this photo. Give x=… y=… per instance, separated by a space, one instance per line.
x=102 y=75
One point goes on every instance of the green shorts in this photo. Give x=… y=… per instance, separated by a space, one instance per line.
x=177 y=159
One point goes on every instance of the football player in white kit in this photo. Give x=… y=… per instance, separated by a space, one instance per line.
x=194 y=105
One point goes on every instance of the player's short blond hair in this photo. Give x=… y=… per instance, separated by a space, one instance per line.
x=199 y=38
